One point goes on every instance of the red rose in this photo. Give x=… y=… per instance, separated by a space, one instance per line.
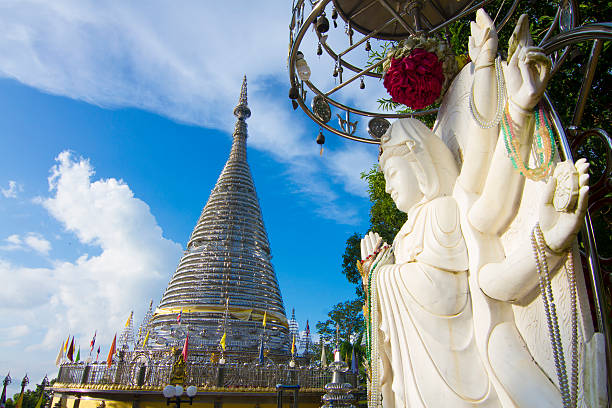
x=416 y=80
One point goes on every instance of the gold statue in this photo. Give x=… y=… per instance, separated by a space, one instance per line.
x=177 y=375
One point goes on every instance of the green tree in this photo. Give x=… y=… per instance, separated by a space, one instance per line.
x=347 y=316
x=30 y=398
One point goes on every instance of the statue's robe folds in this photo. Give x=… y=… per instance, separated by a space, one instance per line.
x=426 y=339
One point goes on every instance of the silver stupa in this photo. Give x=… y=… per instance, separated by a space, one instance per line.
x=224 y=282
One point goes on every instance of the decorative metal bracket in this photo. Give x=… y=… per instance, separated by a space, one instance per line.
x=346 y=125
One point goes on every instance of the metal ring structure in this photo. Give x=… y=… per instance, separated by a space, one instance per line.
x=296 y=40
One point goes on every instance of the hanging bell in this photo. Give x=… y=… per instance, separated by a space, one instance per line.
x=334 y=17
x=321 y=141
x=294 y=93
x=335 y=74
x=368 y=47
x=362 y=84
x=319 y=50
x=294 y=104
x=322 y=24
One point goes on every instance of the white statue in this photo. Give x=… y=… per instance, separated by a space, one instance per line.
x=456 y=316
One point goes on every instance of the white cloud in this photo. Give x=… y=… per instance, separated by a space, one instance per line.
x=12 y=190
x=38 y=243
x=14 y=239
x=91 y=292
x=182 y=62
x=10 y=336
x=32 y=241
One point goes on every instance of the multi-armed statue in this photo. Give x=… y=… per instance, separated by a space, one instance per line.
x=476 y=304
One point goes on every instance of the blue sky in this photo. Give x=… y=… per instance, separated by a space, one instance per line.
x=115 y=122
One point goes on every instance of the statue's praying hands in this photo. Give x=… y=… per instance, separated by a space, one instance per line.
x=370 y=244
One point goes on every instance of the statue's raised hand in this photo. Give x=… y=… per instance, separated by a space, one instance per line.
x=528 y=69
x=370 y=244
x=482 y=45
x=561 y=216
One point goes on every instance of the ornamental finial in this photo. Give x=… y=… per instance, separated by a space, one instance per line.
x=243 y=92
x=242 y=111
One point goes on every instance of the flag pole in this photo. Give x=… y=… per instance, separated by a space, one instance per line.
x=7 y=380
x=24 y=382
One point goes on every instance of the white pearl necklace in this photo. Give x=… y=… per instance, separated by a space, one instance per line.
x=501 y=98
x=568 y=391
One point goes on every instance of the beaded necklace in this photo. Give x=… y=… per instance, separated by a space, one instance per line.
x=501 y=92
x=568 y=391
x=544 y=145
x=372 y=352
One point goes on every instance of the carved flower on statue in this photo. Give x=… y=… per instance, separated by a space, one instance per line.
x=418 y=71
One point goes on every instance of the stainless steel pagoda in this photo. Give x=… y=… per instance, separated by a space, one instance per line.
x=224 y=282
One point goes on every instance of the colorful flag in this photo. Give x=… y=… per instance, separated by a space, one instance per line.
x=265 y=319
x=71 y=350
x=109 y=359
x=93 y=342
x=222 y=342
x=58 y=360
x=261 y=352
x=98 y=353
x=307 y=329
x=144 y=342
x=293 y=346
x=178 y=317
x=78 y=357
x=129 y=319
x=66 y=344
x=186 y=347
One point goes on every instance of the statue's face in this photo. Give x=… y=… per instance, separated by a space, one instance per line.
x=401 y=183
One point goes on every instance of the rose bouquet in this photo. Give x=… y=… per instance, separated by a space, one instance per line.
x=418 y=71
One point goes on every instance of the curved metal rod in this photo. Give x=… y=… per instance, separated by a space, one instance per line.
x=552 y=27
x=557 y=64
x=370 y=114
x=344 y=63
x=602 y=31
x=331 y=129
x=600 y=188
x=298 y=39
x=507 y=16
x=338 y=57
x=460 y=15
x=293 y=80
x=590 y=246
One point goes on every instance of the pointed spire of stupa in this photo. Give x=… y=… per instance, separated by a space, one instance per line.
x=227 y=257
x=127 y=335
x=293 y=325
x=144 y=326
